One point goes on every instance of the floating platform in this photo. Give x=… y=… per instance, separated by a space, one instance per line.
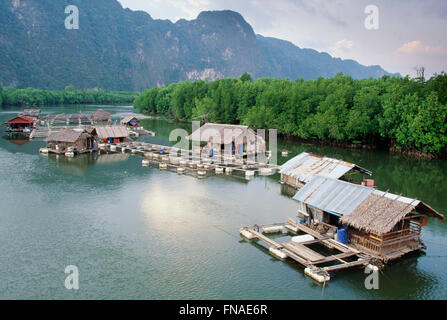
x=186 y=162
x=298 y=249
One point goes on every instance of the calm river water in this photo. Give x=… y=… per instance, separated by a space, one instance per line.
x=139 y=233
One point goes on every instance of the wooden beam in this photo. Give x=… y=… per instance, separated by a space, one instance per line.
x=335 y=257
x=313 y=241
x=306 y=229
x=303 y=251
x=297 y=258
x=345 y=266
x=269 y=241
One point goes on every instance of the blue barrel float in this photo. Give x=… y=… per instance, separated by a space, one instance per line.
x=300 y=221
x=342 y=235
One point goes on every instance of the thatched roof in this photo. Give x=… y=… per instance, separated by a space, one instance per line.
x=111 y=132
x=305 y=165
x=101 y=115
x=128 y=119
x=361 y=207
x=68 y=135
x=223 y=133
x=380 y=212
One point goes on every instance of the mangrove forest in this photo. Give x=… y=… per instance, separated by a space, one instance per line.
x=11 y=96
x=401 y=113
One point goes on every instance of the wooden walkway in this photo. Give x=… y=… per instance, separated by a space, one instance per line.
x=169 y=158
x=307 y=257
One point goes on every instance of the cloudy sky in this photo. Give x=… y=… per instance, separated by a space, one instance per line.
x=410 y=32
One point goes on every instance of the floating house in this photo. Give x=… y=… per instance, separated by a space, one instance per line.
x=380 y=224
x=111 y=134
x=101 y=116
x=228 y=139
x=300 y=170
x=32 y=113
x=20 y=124
x=130 y=121
x=70 y=142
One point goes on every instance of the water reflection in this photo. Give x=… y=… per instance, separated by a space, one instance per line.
x=17 y=139
x=104 y=158
x=187 y=229
x=287 y=190
x=78 y=165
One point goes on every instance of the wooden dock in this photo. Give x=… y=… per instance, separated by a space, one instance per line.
x=188 y=162
x=317 y=265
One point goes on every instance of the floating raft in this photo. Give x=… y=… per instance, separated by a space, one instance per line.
x=189 y=163
x=297 y=249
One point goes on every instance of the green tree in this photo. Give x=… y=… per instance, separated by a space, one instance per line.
x=404 y=112
x=246 y=77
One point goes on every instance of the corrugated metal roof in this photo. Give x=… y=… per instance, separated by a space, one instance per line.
x=111 y=132
x=21 y=119
x=361 y=207
x=333 y=195
x=305 y=165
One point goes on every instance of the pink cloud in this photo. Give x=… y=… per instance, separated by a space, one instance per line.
x=417 y=47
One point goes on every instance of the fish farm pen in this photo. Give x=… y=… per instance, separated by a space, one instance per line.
x=297 y=249
x=339 y=223
x=174 y=159
x=367 y=227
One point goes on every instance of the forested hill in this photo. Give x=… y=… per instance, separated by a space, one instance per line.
x=119 y=49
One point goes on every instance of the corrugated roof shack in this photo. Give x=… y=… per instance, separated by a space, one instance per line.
x=299 y=170
x=111 y=134
x=101 y=116
x=76 y=140
x=19 y=124
x=228 y=139
x=381 y=224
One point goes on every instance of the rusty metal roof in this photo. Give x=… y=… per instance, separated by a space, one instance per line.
x=305 y=165
x=371 y=209
x=333 y=195
x=21 y=119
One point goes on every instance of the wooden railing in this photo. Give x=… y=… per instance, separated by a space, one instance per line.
x=383 y=244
